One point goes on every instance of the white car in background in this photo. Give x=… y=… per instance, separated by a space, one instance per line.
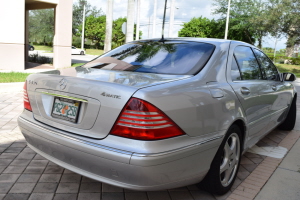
x=77 y=51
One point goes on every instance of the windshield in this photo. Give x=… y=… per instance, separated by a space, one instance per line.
x=171 y=57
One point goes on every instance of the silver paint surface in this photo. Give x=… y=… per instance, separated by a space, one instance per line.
x=204 y=106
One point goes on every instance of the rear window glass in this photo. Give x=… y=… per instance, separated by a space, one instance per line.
x=171 y=57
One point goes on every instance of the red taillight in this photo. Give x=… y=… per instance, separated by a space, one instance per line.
x=25 y=97
x=143 y=121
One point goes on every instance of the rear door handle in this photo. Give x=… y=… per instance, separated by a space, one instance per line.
x=245 y=91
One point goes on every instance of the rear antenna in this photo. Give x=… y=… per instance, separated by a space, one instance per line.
x=163 y=25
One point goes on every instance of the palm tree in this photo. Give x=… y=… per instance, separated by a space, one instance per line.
x=109 y=22
x=130 y=21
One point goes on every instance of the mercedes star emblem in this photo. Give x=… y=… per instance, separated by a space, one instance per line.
x=63 y=84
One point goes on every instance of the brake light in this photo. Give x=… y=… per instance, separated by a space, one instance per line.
x=143 y=121
x=25 y=97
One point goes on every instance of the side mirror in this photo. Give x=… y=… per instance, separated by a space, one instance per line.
x=289 y=77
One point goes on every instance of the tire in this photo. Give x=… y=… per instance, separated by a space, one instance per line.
x=81 y=53
x=290 y=120
x=31 y=49
x=227 y=160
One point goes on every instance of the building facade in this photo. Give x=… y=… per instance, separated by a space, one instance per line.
x=14 y=16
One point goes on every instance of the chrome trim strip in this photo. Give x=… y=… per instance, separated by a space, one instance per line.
x=137 y=117
x=267 y=116
x=141 y=113
x=144 y=127
x=176 y=150
x=64 y=96
x=144 y=122
x=75 y=139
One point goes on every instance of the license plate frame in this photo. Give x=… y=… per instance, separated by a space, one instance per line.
x=65 y=109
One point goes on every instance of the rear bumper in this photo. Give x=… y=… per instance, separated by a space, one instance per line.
x=117 y=167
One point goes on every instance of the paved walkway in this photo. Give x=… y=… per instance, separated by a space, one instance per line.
x=26 y=175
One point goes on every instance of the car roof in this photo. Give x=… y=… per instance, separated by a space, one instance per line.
x=215 y=41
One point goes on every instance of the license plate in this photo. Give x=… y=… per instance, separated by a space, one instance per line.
x=65 y=109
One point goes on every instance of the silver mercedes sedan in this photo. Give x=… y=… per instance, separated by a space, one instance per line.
x=158 y=114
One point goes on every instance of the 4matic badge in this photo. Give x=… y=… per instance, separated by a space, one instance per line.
x=111 y=95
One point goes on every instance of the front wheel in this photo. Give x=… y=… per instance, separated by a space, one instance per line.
x=81 y=53
x=226 y=163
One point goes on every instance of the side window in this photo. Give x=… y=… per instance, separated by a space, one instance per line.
x=247 y=63
x=268 y=68
x=235 y=72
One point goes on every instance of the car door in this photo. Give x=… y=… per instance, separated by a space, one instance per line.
x=247 y=81
x=276 y=95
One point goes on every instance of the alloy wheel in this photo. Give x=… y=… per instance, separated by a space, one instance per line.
x=230 y=159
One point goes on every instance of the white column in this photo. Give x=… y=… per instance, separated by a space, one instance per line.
x=154 y=19
x=109 y=23
x=63 y=34
x=12 y=39
x=172 y=11
x=130 y=21
x=137 y=33
x=26 y=53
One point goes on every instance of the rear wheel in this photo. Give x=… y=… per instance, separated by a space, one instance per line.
x=81 y=53
x=290 y=120
x=225 y=165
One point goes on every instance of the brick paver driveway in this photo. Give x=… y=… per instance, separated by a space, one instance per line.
x=26 y=175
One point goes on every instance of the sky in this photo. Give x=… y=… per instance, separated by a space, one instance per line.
x=186 y=10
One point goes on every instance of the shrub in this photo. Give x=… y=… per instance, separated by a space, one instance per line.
x=295 y=61
x=271 y=57
x=36 y=58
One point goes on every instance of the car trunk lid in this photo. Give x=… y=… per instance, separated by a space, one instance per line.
x=99 y=95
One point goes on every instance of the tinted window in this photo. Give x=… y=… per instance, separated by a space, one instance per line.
x=235 y=72
x=171 y=57
x=269 y=70
x=247 y=63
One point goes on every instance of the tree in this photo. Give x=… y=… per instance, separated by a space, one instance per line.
x=109 y=22
x=203 y=27
x=78 y=13
x=95 y=29
x=284 y=15
x=198 y=27
x=118 y=37
x=247 y=15
x=130 y=21
x=41 y=26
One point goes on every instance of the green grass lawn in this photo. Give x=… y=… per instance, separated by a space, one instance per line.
x=43 y=48
x=77 y=64
x=289 y=68
x=13 y=77
x=94 y=52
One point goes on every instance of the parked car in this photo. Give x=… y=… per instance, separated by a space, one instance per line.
x=77 y=51
x=30 y=47
x=159 y=114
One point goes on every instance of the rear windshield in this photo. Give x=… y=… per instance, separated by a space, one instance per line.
x=171 y=57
